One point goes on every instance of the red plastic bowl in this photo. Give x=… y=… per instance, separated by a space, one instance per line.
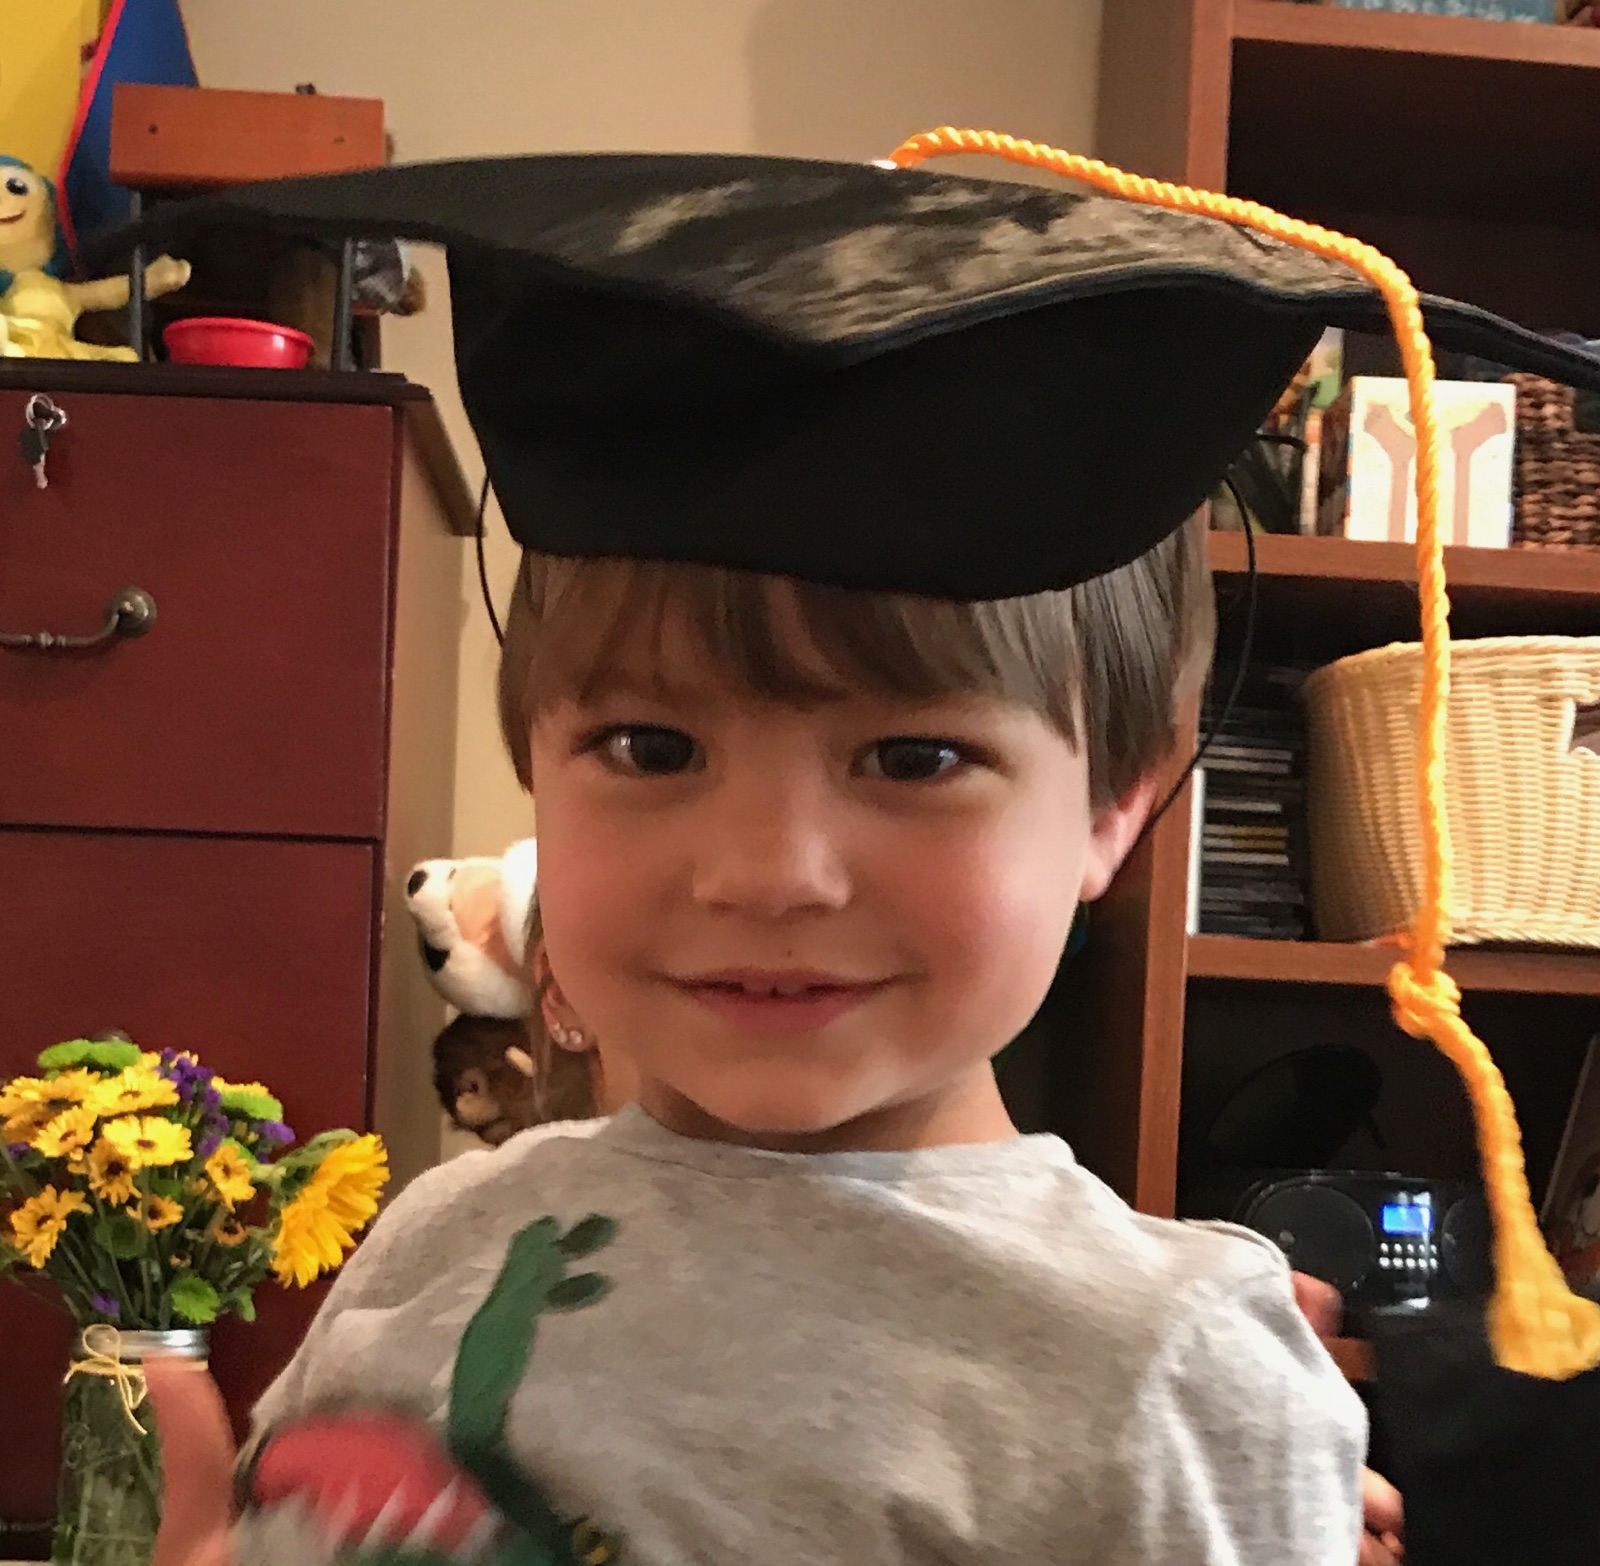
x=221 y=339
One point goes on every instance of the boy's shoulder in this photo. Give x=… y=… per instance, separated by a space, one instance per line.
x=486 y=1176
x=455 y=1207
x=1086 y=1210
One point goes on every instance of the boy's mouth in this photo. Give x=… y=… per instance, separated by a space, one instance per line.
x=779 y=1002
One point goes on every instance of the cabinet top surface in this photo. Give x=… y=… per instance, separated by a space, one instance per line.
x=175 y=380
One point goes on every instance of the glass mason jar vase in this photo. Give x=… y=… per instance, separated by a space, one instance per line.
x=110 y=1494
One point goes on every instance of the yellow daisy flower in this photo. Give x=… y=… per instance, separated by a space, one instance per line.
x=68 y=1135
x=230 y=1232
x=110 y=1174
x=57 y=1093
x=240 y=1087
x=131 y=1091
x=157 y=1213
x=27 y=1120
x=321 y=1223
x=148 y=1141
x=39 y=1222
x=21 y=1094
x=230 y=1174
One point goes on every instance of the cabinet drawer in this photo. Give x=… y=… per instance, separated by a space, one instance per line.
x=257 y=701
x=256 y=955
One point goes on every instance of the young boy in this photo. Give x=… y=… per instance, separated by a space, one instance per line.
x=856 y=610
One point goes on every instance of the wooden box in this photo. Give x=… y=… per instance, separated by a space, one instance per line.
x=199 y=138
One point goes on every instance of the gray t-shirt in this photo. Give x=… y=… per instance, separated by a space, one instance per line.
x=966 y=1354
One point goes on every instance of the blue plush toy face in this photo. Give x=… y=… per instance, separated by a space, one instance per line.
x=28 y=237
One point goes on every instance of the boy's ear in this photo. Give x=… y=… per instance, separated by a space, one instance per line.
x=560 y=1021
x=1113 y=831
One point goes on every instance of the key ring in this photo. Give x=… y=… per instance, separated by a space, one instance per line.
x=44 y=415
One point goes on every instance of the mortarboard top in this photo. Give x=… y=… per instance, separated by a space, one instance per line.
x=902 y=381
x=879 y=378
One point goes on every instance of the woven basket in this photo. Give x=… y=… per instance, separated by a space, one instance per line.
x=1524 y=806
x=1557 y=475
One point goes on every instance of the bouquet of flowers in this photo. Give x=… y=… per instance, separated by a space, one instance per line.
x=156 y=1197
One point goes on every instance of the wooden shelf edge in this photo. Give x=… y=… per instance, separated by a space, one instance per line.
x=1358 y=966
x=1560 y=571
x=1468 y=38
x=1354 y=1357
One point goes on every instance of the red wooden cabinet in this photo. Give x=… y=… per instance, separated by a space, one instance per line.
x=256 y=701
x=202 y=829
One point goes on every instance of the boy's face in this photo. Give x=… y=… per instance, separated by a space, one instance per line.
x=812 y=928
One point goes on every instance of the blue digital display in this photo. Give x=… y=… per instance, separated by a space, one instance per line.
x=1406 y=1218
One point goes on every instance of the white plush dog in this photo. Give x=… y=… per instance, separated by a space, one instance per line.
x=472 y=921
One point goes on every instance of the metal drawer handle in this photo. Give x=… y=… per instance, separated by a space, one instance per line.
x=131 y=613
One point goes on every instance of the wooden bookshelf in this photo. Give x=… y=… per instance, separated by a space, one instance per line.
x=1542 y=580
x=1467 y=150
x=1464 y=148
x=1476 y=969
x=1320 y=598
x=1439 y=40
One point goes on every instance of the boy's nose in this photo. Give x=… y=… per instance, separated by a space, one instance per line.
x=774 y=856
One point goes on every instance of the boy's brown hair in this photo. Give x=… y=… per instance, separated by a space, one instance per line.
x=1108 y=663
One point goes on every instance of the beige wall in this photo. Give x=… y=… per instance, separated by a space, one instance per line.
x=819 y=78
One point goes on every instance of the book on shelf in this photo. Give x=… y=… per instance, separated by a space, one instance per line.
x=1246 y=859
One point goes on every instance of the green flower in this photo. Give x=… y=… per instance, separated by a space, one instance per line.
x=250 y=1103
x=101 y=1054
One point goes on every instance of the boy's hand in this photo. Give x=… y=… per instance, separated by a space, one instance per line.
x=1381 y=1508
x=1320 y=1303
x=1382 y=1512
x=197 y=1457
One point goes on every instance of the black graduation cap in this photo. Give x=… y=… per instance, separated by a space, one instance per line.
x=874 y=377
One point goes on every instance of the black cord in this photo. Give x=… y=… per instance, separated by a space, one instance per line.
x=1245 y=645
x=483 y=568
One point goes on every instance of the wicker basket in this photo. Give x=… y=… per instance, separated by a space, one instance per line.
x=1557 y=476
x=1524 y=805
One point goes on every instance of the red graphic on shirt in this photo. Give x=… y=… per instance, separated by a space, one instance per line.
x=372 y=1481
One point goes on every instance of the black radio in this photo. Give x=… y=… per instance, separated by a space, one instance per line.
x=1385 y=1241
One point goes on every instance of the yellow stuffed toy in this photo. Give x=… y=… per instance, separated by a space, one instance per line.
x=39 y=309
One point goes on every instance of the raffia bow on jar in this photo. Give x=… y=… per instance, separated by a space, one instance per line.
x=110 y=1494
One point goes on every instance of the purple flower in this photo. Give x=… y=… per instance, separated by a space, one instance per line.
x=275 y=1131
x=16 y=1150
x=191 y=1077
x=105 y=1305
x=210 y=1099
x=212 y=1131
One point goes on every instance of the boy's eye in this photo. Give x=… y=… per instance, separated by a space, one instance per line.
x=912 y=760
x=647 y=751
